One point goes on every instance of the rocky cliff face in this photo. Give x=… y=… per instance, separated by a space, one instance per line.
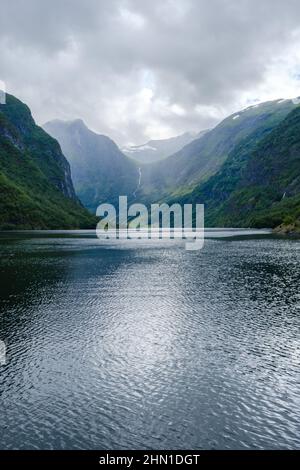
x=36 y=188
x=20 y=129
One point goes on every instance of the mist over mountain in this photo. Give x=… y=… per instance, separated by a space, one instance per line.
x=100 y=171
x=155 y=150
x=206 y=170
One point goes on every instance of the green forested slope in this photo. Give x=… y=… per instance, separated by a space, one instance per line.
x=36 y=190
x=259 y=184
x=202 y=158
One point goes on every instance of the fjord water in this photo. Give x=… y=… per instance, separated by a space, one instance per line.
x=142 y=345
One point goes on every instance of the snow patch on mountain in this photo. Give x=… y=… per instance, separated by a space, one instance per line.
x=139 y=148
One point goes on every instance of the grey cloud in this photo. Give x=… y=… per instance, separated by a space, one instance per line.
x=92 y=59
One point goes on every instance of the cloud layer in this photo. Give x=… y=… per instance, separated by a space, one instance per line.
x=140 y=69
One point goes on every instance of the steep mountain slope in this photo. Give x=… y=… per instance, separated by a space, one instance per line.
x=199 y=160
x=259 y=184
x=100 y=171
x=36 y=189
x=156 y=150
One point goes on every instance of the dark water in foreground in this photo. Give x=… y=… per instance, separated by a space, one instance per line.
x=149 y=346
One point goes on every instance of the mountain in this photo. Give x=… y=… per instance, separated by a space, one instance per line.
x=180 y=173
x=100 y=171
x=156 y=150
x=35 y=181
x=219 y=169
x=259 y=184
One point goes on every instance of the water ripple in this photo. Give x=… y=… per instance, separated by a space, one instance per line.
x=149 y=347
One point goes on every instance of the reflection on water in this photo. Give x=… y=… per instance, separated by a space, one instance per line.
x=146 y=345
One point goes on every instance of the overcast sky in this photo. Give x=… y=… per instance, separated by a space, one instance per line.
x=140 y=69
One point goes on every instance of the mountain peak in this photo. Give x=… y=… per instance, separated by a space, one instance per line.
x=100 y=170
x=156 y=150
x=78 y=123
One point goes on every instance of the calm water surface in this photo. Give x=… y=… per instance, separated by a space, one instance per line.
x=146 y=345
